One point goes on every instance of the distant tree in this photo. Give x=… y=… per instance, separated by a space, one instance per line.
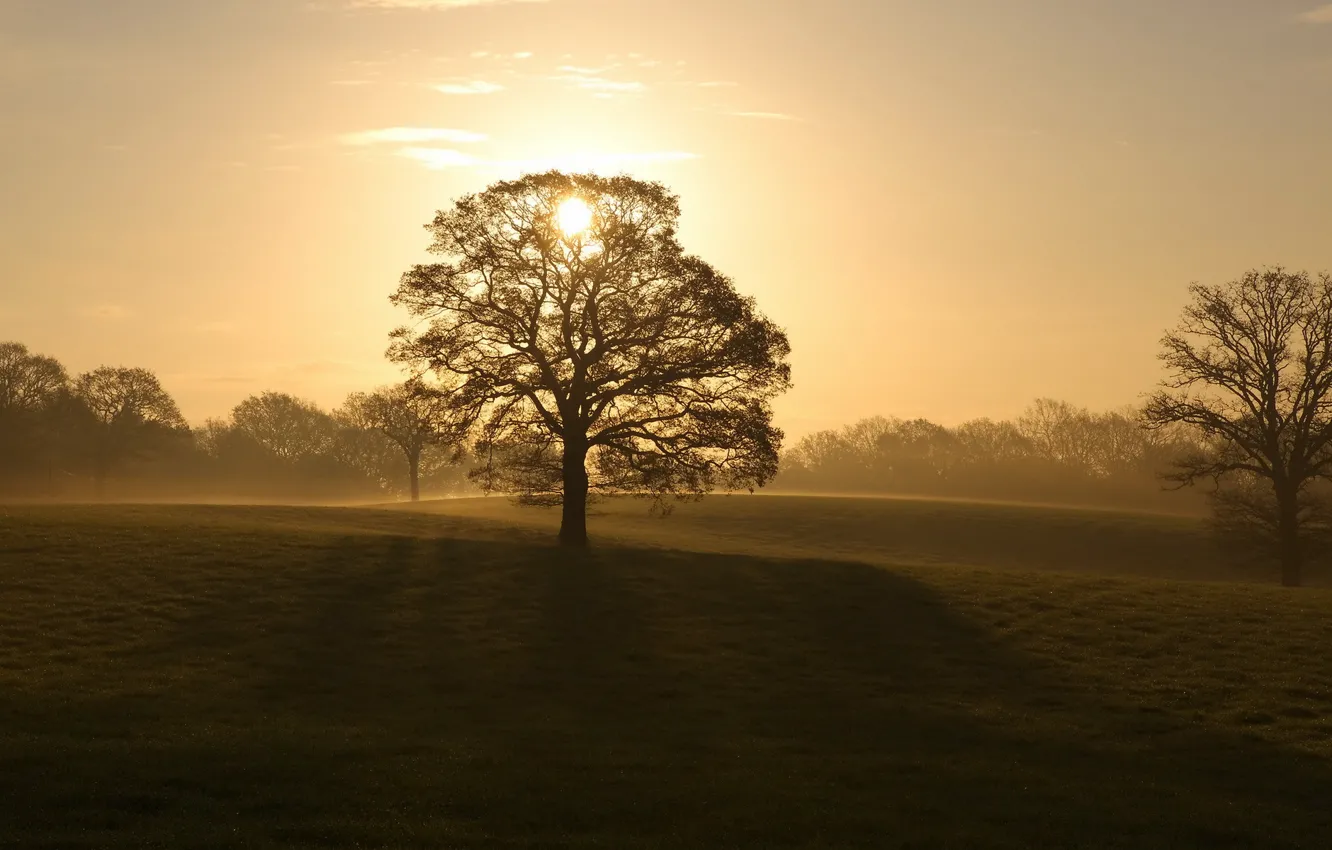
x=211 y=437
x=28 y=382
x=1058 y=431
x=1250 y=366
x=984 y=442
x=414 y=418
x=289 y=427
x=584 y=336
x=365 y=450
x=1117 y=443
x=32 y=388
x=1058 y=453
x=917 y=455
x=846 y=459
x=127 y=414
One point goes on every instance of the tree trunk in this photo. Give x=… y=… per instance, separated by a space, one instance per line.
x=573 y=522
x=414 y=472
x=1288 y=539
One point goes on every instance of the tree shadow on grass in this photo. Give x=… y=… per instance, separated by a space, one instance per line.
x=402 y=692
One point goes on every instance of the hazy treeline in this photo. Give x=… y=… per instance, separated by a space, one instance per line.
x=1054 y=452
x=117 y=432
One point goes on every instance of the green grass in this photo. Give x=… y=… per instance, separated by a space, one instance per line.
x=752 y=672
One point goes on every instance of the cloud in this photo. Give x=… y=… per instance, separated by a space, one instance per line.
x=410 y=135
x=1321 y=15
x=430 y=4
x=767 y=116
x=469 y=87
x=590 y=79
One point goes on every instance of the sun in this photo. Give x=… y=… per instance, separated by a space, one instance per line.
x=574 y=216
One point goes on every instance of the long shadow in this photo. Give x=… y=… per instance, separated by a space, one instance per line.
x=402 y=692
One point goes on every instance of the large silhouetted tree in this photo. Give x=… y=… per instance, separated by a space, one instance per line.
x=596 y=354
x=1250 y=365
x=127 y=413
x=414 y=417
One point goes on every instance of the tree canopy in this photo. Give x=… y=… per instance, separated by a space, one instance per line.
x=289 y=427
x=595 y=360
x=28 y=382
x=128 y=412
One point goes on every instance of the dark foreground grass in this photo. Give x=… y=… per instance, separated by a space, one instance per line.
x=233 y=677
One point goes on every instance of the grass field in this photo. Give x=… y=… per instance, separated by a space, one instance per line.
x=750 y=672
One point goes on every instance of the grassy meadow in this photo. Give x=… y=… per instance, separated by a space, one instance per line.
x=749 y=672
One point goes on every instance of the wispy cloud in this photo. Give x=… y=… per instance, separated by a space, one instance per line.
x=411 y=135
x=430 y=4
x=592 y=79
x=1321 y=15
x=469 y=87
x=767 y=116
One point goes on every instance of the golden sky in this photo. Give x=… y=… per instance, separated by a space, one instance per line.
x=954 y=207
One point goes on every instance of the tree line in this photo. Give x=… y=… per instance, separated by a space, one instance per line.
x=116 y=431
x=1244 y=409
x=1055 y=452
x=566 y=339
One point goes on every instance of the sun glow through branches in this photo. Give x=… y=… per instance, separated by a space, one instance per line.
x=574 y=216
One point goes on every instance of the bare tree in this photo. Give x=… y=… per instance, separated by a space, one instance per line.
x=986 y=442
x=415 y=418
x=596 y=355
x=1058 y=431
x=1250 y=366
x=129 y=413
